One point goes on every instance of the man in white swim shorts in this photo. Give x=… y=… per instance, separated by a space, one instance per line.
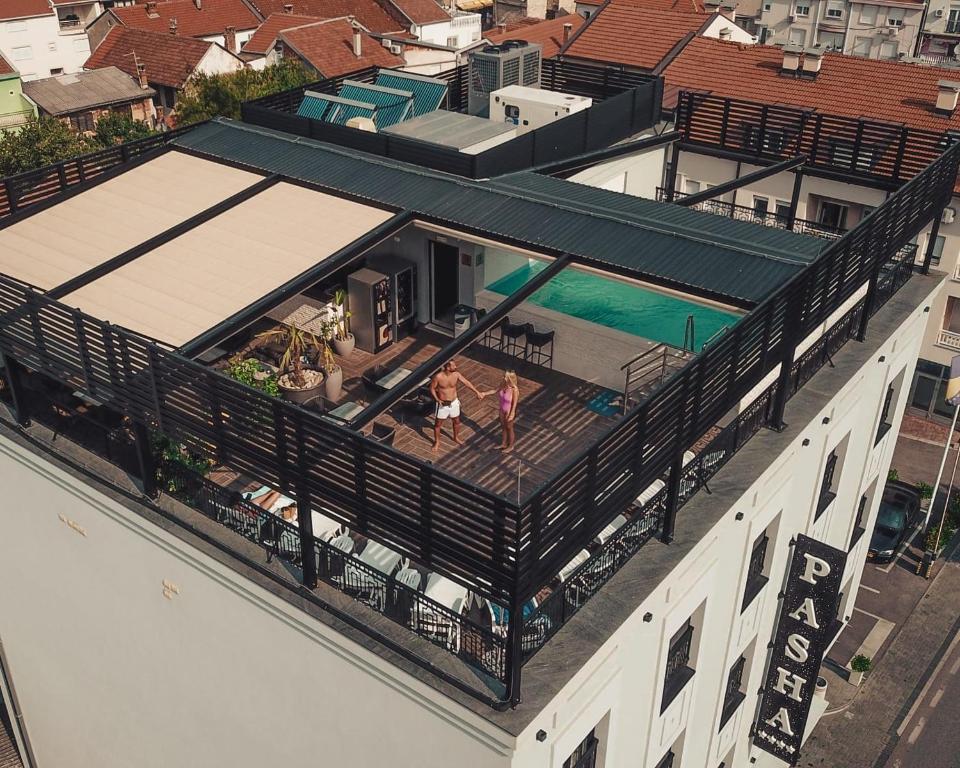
x=444 y=388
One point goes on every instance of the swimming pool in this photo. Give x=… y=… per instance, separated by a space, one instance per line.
x=617 y=304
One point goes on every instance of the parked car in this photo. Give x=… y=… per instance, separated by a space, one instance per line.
x=898 y=514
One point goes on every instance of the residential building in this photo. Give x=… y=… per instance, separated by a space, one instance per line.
x=551 y=35
x=874 y=30
x=228 y=23
x=941 y=32
x=43 y=38
x=645 y=38
x=606 y=594
x=332 y=48
x=919 y=100
x=166 y=62
x=15 y=110
x=380 y=19
x=81 y=99
x=262 y=42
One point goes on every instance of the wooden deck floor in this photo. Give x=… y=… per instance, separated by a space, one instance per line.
x=553 y=424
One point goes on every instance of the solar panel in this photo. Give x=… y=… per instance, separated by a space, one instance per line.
x=391 y=106
x=429 y=94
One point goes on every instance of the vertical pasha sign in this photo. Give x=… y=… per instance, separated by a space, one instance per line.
x=809 y=609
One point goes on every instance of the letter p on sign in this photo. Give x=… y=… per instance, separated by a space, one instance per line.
x=814 y=569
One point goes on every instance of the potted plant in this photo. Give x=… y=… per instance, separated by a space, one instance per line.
x=253 y=373
x=859 y=666
x=343 y=340
x=297 y=383
x=333 y=373
x=926 y=494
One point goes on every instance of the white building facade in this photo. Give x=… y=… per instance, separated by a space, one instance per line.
x=51 y=43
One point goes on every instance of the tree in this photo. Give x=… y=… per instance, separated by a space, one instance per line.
x=38 y=143
x=207 y=96
x=115 y=128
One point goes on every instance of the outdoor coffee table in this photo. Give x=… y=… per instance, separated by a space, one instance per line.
x=344 y=412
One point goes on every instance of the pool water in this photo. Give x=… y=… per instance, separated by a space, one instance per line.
x=617 y=304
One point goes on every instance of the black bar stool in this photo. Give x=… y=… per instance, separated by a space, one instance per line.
x=510 y=338
x=539 y=346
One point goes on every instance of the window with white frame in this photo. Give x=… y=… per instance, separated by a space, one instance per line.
x=22 y=53
x=889 y=50
x=861 y=46
x=16 y=26
x=797 y=36
x=895 y=17
x=802 y=8
x=953 y=20
x=760 y=206
x=868 y=15
x=782 y=210
x=835 y=9
x=690 y=187
x=831 y=41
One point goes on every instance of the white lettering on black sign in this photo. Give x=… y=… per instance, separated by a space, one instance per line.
x=805 y=628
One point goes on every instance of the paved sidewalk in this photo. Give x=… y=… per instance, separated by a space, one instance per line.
x=864 y=734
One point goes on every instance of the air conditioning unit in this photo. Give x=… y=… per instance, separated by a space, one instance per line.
x=949 y=214
x=395 y=49
x=893 y=31
x=512 y=62
x=793 y=17
x=938 y=13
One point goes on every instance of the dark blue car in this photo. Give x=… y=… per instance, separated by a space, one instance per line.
x=898 y=514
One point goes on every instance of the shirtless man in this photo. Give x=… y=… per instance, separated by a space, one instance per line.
x=443 y=387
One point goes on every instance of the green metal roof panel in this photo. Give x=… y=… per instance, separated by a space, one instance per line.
x=664 y=243
x=429 y=94
x=391 y=106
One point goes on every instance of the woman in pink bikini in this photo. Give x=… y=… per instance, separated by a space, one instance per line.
x=509 y=396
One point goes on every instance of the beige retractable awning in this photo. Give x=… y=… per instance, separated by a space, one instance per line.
x=191 y=284
x=75 y=235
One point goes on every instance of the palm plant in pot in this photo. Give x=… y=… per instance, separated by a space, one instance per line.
x=297 y=382
x=343 y=340
x=333 y=373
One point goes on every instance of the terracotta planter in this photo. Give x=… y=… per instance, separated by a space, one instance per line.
x=821 y=688
x=333 y=384
x=344 y=346
x=301 y=396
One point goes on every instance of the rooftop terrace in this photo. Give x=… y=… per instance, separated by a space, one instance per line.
x=452 y=534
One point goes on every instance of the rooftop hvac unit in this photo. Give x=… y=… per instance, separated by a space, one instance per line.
x=513 y=62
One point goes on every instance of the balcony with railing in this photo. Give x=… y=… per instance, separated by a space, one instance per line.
x=515 y=570
x=733 y=695
x=11 y=120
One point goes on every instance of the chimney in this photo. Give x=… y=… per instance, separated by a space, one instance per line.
x=173 y=25
x=567 y=29
x=791 y=60
x=947 y=91
x=142 y=75
x=199 y=4
x=728 y=10
x=151 y=9
x=502 y=26
x=278 y=48
x=288 y=8
x=812 y=60
x=229 y=38
x=726 y=33
x=357 y=42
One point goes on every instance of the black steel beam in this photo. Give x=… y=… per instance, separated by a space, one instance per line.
x=931 y=242
x=729 y=186
x=461 y=342
x=292 y=287
x=14 y=375
x=795 y=198
x=131 y=254
x=588 y=159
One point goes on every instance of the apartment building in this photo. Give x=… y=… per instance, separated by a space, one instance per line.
x=42 y=38
x=874 y=30
x=304 y=579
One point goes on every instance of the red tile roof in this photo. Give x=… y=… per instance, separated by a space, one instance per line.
x=263 y=39
x=22 y=9
x=367 y=12
x=683 y=6
x=633 y=34
x=328 y=48
x=549 y=34
x=169 y=59
x=422 y=11
x=210 y=19
x=848 y=86
x=6 y=68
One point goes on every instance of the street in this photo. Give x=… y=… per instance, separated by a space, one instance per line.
x=928 y=735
